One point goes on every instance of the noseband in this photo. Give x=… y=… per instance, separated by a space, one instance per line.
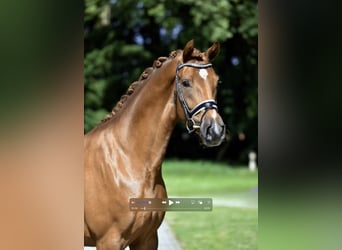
x=205 y=105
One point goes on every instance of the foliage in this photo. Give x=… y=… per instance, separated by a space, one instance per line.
x=122 y=38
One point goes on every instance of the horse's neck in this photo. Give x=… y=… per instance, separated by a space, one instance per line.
x=146 y=122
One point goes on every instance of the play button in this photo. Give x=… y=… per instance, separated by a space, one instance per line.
x=170 y=202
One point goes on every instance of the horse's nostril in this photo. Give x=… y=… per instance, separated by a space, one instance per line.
x=208 y=130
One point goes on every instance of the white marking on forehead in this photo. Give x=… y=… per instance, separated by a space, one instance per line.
x=203 y=73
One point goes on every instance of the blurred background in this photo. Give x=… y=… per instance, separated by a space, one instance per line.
x=122 y=38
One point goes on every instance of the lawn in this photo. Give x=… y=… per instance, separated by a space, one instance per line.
x=225 y=227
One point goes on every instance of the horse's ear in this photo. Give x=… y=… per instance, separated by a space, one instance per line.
x=188 y=49
x=213 y=51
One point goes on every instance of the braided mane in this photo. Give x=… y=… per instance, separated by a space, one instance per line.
x=146 y=73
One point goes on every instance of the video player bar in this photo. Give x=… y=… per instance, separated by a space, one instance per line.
x=171 y=204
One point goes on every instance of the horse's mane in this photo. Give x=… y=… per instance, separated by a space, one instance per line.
x=146 y=73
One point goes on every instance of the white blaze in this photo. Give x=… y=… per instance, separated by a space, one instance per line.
x=203 y=73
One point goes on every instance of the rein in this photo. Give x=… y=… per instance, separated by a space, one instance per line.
x=205 y=105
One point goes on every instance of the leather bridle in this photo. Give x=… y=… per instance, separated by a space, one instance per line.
x=205 y=105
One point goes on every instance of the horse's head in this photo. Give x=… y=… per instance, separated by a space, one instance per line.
x=196 y=83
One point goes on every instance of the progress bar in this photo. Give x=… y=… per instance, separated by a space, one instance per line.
x=172 y=204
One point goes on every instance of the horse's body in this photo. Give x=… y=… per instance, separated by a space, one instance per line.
x=124 y=154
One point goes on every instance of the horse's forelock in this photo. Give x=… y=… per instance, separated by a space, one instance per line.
x=198 y=55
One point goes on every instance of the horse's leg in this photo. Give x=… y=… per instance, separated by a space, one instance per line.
x=146 y=243
x=110 y=241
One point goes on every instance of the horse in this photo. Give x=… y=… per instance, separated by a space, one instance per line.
x=123 y=154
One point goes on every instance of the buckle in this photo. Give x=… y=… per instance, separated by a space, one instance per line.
x=191 y=125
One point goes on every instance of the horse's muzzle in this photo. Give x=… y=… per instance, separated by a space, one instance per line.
x=213 y=130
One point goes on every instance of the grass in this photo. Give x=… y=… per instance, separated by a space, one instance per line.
x=205 y=178
x=224 y=227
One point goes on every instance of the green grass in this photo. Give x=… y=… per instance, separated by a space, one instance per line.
x=206 y=178
x=224 y=227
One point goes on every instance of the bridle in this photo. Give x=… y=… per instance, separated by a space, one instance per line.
x=205 y=105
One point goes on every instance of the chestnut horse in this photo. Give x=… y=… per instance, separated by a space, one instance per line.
x=124 y=153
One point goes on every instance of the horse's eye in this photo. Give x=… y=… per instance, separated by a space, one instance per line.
x=186 y=83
